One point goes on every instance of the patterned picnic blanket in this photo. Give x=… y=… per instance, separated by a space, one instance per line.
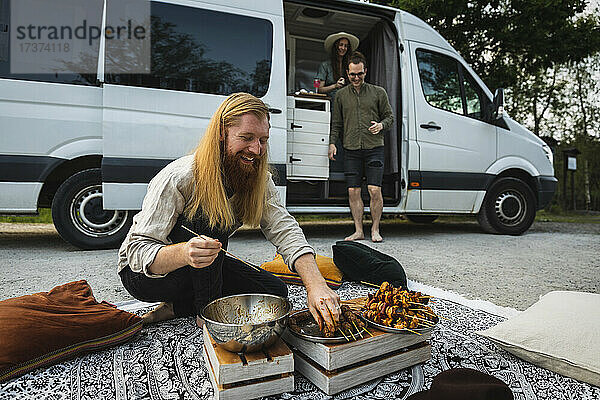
x=165 y=362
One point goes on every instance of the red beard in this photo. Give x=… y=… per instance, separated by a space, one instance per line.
x=239 y=176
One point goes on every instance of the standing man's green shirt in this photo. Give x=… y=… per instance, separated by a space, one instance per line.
x=353 y=113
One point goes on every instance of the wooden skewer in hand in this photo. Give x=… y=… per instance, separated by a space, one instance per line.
x=222 y=249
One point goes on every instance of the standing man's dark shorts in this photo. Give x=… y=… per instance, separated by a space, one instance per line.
x=363 y=162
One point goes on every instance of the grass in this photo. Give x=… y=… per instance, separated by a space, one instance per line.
x=45 y=217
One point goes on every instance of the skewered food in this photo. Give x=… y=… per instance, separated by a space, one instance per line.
x=349 y=323
x=350 y=326
x=398 y=308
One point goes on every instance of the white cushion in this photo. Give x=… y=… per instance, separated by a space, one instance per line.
x=561 y=332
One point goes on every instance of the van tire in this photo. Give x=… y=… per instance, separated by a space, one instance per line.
x=78 y=215
x=421 y=218
x=508 y=207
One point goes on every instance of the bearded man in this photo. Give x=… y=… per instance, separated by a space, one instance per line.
x=225 y=183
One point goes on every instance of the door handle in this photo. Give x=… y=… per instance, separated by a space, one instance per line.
x=431 y=125
x=294 y=126
x=274 y=110
x=292 y=159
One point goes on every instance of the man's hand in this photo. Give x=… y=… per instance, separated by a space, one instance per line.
x=323 y=303
x=375 y=127
x=340 y=82
x=201 y=251
x=332 y=152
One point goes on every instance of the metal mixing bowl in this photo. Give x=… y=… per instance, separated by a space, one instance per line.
x=246 y=323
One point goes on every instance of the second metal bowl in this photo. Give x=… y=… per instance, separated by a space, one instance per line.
x=247 y=322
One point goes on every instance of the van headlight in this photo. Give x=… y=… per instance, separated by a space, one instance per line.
x=548 y=154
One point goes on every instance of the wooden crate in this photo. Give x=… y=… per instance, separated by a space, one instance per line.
x=337 y=367
x=251 y=376
x=335 y=356
x=332 y=382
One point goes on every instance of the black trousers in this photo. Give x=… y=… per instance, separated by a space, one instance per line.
x=191 y=289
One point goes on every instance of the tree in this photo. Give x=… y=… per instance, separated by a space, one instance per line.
x=505 y=39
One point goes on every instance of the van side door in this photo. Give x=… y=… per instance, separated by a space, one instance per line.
x=456 y=145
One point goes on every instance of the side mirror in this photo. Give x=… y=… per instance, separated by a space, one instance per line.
x=498 y=104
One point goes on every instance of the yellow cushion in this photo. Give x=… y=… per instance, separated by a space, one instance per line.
x=331 y=273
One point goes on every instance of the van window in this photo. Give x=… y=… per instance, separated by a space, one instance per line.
x=44 y=49
x=472 y=97
x=440 y=81
x=477 y=102
x=205 y=51
x=441 y=77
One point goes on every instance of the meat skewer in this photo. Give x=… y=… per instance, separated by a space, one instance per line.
x=398 y=308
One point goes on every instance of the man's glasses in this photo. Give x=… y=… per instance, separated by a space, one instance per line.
x=353 y=75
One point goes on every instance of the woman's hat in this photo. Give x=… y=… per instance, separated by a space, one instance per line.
x=331 y=39
x=465 y=383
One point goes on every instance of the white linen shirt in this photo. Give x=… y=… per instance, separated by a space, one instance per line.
x=167 y=198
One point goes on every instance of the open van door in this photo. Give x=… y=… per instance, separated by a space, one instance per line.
x=456 y=144
x=200 y=54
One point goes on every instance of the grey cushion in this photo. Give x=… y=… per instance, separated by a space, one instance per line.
x=561 y=332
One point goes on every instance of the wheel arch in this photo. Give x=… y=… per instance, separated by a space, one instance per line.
x=515 y=167
x=62 y=172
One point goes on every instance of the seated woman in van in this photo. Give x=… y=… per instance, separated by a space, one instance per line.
x=332 y=72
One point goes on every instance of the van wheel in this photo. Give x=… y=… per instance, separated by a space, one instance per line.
x=508 y=207
x=421 y=219
x=78 y=215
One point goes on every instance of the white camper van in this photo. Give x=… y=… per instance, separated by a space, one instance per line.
x=87 y=145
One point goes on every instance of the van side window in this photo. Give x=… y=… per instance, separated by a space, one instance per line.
x=205 y=51
x=472 y=97
x=44 y=49
x=440 y=81
x=477 y=102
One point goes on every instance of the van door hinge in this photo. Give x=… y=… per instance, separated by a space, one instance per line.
x=292 y=159
x=294 y=126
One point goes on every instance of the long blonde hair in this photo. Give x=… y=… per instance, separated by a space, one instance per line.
x=208 y=191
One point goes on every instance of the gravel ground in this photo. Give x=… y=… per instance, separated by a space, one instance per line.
x=506 y=270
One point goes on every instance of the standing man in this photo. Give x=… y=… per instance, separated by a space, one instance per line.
x=361 y=112
x=225 y=183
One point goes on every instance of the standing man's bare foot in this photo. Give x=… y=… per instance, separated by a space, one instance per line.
x=163 y=312
x=356 y=236
x=376 y=237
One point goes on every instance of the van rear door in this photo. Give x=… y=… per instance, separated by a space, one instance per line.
x=200 y=54
x=456 y=146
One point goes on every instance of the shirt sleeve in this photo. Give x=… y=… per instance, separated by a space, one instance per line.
x=337 y=120
x=385 y=109
x=161 y=207
x=281 y=229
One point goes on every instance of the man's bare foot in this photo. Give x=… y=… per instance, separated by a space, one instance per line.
x=199 y=321
x=163 y=312
x=356 y=236
x=376 y=237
